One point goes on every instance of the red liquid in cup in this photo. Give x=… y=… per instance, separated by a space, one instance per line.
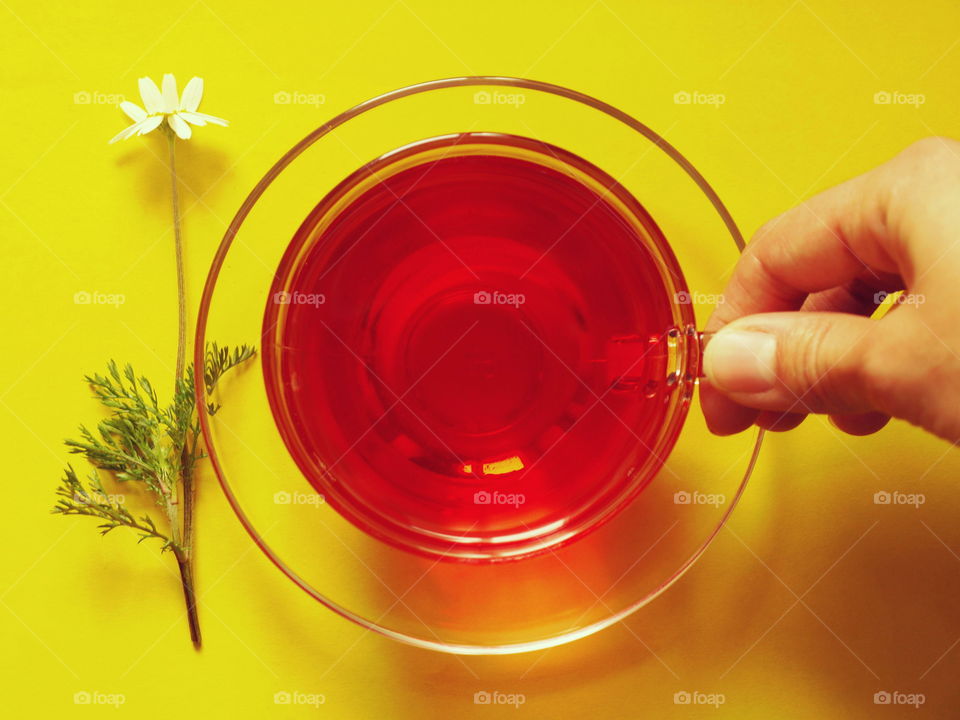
x=465 y=347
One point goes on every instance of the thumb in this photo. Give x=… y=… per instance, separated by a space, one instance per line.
x=817 y=362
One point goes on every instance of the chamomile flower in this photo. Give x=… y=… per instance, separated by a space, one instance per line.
x=160 y=105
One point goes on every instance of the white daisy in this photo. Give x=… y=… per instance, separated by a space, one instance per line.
x=162 y=105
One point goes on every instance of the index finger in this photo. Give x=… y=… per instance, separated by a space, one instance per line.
x=855 y=230
x=826 y=242
x=885 y=222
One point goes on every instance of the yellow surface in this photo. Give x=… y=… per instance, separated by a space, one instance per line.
x=814 y=599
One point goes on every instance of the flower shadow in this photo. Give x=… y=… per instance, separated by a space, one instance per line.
x=201 y=169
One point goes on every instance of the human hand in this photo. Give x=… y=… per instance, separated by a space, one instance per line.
x=794 y=333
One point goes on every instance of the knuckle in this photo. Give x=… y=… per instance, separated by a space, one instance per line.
x=926 y=169
x=908 y=374
x=885 y=374
x=932 y=156
x=801 y=365
x=933 y=394
x=826 y=367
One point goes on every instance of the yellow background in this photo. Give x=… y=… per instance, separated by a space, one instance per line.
x=810 y=602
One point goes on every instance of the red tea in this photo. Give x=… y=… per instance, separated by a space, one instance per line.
x=464 y=347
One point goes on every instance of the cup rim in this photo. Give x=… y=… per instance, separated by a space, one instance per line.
x=207 y=297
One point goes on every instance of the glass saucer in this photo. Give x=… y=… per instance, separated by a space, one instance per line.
x=406 y=526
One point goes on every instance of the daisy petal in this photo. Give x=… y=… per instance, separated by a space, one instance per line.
x=192 y=118
x=169 y=86
x=190 y=99
x=125 y=133
x=151 y=123
x=152 y=100
x=133 y=111
x=182 y=130
x=211 y=119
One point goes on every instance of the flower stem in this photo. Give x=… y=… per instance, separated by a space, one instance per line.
x=178 y=243
x=184 y=556
x=186 y=580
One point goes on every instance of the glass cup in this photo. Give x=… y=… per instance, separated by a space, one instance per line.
x=472 y=426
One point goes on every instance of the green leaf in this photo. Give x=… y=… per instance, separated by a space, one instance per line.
x=143 y=443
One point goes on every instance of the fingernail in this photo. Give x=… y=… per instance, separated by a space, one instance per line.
x=741 y=361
